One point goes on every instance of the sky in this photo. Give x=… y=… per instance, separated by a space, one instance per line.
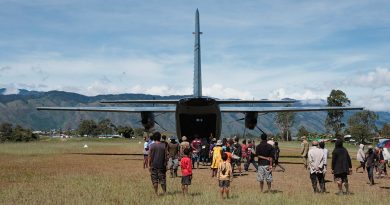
x=250 y=49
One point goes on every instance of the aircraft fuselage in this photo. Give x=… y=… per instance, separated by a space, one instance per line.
x=198 y=116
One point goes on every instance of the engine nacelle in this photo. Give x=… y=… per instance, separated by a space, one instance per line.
x=251 y=120
x=147 y=120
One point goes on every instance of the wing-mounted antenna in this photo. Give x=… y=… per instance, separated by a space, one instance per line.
x=197 y=61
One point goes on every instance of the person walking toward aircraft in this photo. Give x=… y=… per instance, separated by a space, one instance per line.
x=326 y=154
x=158 y=163
x=237 y=155
x=264 y=152
x=217 y=151
x=204 y=152
x=341 y=166
x=304 y=151
x=173 y=156
x=316 y=167
x=372 y=159
x=186 y=171
x=224 y=175
x=361 y=157
x=184 y=144
x=195 y=146
x=277 y=155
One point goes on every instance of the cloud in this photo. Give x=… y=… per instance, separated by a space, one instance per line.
x=9 y=89
x=375 y=79
x=42 y=74
x=374 y=102
x=5 y=68
x=281 y=93
x=219 y=91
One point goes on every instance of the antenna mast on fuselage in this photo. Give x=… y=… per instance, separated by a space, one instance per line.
x=197 y=62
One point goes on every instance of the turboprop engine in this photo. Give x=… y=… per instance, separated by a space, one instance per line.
x=147 y=120
x=251 y=120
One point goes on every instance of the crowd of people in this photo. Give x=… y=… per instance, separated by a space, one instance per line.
x=227 y=155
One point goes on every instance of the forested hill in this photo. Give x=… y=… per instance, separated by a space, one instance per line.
x=21 y=109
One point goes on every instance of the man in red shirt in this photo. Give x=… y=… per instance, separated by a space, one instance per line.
x=186 y=171
x=195 y=146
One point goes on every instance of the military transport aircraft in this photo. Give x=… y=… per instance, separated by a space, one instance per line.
x=199 y=115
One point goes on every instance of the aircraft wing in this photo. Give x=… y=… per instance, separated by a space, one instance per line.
x=142 y=101
x=113 y=109
x=253 y=101
x=284 y=109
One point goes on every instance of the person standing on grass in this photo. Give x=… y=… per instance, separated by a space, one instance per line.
x=250 y=156
x=224 y=175
x=158 y=163
x=341 y=167
x=217 y=154
x=326 y=154
x=276 y=158
x=265 y=154
x=237 y=155
x=186 y=171
x=184 y=144
x=173 y=156
x=146 y=152
x=204 y=152
x=372 y=158
x=195 y=146
x=304 y=151
x=361 y=157
x=316 y=167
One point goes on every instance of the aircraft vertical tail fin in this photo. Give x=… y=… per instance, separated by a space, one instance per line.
x=197 y=61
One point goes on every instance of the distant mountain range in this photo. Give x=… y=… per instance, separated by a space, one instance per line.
x=21 y=109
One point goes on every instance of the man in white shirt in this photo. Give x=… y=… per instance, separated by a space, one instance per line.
x=316 y=167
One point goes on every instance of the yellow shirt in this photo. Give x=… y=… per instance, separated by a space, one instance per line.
x=225 y=171
x=217 y=158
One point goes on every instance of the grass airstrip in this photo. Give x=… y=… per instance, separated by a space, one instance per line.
x=110 y=171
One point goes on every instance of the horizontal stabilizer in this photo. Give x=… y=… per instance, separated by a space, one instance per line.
x=113 y=109
x=284 y=109
x=142 y=101
x=254 y=101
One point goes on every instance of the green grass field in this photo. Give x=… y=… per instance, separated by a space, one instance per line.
x=110 y=171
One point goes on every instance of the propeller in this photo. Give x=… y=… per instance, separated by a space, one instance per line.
x=160 y=126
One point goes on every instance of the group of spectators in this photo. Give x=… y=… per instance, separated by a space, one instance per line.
x=224 y=156
x=372 y=159
x=315 y=160
x=227 y=154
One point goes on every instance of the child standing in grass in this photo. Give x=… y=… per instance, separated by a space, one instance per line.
x=186 y=171
x=224 y=175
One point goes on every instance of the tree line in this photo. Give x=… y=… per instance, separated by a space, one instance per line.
x=105 y=127
x=11 y=133
x=361 y=125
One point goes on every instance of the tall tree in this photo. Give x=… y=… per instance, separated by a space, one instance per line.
x=362 y=125
x=125 y=131
x=385 y=132
x=88 y=128
x=333 y=122
x=5 y=131
x=285 y=120
x=105 y=127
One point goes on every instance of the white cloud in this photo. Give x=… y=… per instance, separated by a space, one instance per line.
x=9 y=89
x=375 y=79
x=374 y=102
x=281 y=93
x=219 y=91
